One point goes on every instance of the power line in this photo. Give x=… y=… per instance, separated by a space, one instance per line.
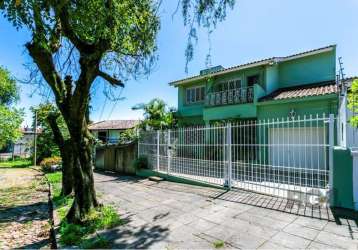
x=104 y=105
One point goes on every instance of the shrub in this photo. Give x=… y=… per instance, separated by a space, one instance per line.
x=47 y=163
x=98 y=242
x=97 y=219
x=71 y=234
x=218 y=244
x=140 y=163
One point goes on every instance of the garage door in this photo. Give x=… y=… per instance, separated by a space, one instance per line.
x=298 y=148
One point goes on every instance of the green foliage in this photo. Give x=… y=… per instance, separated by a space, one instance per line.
x=54 y=177
x=218 y=244
x=157 y=115
x=50 y=161
x=9 y=92
x=125 y=29
x=127 y=136
x=202 y=13
x=10 y=122
x=61 y=203
x=140 y=163
x=46 y=145
x=10 y=117
x=20 y=163
x=98 y=242
x=97 y=219
x=353 y=103
x=71 y=234
x=101 y=218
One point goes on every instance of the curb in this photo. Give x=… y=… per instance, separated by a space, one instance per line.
x=52 y=233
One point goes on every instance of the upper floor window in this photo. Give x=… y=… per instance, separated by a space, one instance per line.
x=195 y=94
x=229 y=85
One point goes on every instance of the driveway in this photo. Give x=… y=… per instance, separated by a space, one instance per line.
x=176 y=216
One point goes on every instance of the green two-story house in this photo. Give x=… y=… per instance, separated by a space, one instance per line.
x=300 y=84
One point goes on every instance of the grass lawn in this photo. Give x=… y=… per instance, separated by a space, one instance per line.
x=20 y=163
x=83 y=235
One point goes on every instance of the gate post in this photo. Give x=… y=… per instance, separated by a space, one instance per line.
x=158 y=148
x=168 y=152
x=330 y=156
x=138 y=141
x=228 y=161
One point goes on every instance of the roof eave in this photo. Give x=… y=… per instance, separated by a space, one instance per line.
x=251 y=65
x=225 y=71
x=298 y=99
x=310 y=53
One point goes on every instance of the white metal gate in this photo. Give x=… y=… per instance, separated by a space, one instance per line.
x=289 y=157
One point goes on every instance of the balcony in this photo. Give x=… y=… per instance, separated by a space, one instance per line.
x=232 y=96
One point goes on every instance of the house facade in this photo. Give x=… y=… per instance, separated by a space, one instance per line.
x=22 y=147
x=290 y=86
x=109 y=131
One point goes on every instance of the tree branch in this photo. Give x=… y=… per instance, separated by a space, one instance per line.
x=61 y=12
x=44 y=62
x=113 y=81
x=57 y=135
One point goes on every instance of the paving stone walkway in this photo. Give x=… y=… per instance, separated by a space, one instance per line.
x=176 y=216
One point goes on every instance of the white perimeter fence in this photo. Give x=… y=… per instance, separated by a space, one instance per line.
x=288 y=157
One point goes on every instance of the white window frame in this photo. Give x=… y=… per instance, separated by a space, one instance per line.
x=193 y=90
x=228 y=83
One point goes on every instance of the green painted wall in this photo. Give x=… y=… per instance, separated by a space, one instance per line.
x=272 y=78
x=304 y=106
x=309 y=69
x=190 y=121
x=342 y=178
x=299 y=71
x=199 y=109
x=192 y=109
x=230 y=112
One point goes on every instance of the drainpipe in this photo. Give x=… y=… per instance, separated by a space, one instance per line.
x=354 y=152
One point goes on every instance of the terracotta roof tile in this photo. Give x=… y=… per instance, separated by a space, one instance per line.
x=317 y=89
x=113 y=124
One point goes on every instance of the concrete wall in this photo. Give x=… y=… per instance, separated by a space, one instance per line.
x=118 y=158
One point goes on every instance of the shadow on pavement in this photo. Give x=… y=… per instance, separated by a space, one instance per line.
x=130 y=236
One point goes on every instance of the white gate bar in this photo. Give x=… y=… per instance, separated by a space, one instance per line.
x=331 y=145
x=168 y=152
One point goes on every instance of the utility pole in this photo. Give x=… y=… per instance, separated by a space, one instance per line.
x=35 y=138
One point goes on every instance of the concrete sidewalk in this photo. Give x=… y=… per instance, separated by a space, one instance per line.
x=176 y=216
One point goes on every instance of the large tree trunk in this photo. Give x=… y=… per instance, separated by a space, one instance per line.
x=68 y=164
x=85 y=194
x=72 y=100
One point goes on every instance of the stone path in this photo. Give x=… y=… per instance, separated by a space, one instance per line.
x=176 y=216
x=23 y=209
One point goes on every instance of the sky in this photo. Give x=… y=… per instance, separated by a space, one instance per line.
x=253 y=30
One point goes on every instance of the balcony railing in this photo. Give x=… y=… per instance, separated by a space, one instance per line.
x=232 y=96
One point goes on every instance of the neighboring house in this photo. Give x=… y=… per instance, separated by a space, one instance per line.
x=295 y=85
x=23 y=146
x=109 y=132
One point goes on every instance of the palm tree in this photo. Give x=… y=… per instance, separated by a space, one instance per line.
x=157 y=115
